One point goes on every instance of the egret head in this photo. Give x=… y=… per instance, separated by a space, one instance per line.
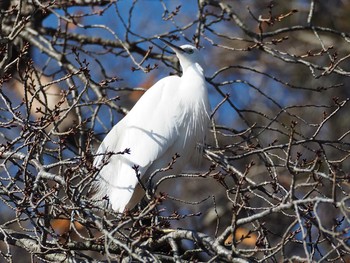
x=187 y=54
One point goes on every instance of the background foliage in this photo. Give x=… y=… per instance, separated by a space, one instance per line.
x=274 y=185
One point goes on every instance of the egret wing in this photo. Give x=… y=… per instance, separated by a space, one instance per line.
x=148 y=131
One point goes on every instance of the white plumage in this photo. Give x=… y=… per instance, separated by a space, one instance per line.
x=172 y=117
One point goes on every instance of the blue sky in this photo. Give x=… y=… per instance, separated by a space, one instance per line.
x=146 y=21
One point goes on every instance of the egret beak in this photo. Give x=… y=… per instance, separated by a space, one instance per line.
x=172 y=46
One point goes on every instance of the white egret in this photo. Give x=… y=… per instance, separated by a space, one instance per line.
x=172 y=117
